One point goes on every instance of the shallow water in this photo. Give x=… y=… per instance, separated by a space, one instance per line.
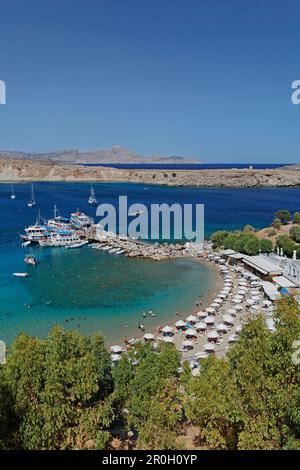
x=91 y=290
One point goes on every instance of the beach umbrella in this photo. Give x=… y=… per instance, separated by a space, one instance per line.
x=180 y=324
x=232 y=338
x=267 y=303
x=191 y=332
x=115 y=357
x=239 y=308
x=116 y=349
x=231 y=311
x=238 y=328
x=202 y=314
x=148 y=337
x=222 y=327
x=215 y=306
x=228 y=319
x=239 y=296
x=191 y=319
x=168 y=339
x=243 y=283
x=167 y=329
x=242 y=292
x=200 y=326
x=218 y=301
x=209 y=347
x=187 y=344
x=210 y=310
x=212 y=335
x=222 y=296
x=256 y=298
x=209 y=320
x=250 y=302
x=255 y=307
x=236 y=301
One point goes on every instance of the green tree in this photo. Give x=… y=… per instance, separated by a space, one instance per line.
x=286 y=244
x=252 y=246
x=218 y=238
x=213 y=404
x=296 y=219
x=283 y=215
x=277 y=224
x=295 y=233
x=60 y=387
x=266 y=246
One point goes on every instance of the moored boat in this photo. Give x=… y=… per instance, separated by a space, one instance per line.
x=30 y=260
x=92 y=200
x=80 y=220
x=61 y=238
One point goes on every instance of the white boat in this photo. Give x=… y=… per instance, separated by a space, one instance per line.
x=30 y=260
x=134 y=214
x=77 y=245
x=80 y=220
x=20 y=274
x=58 y=221
x=31 y=202
x=61 y=238
x=12 y=196
x=113 y=250
x=92 y=198
x=35 y=233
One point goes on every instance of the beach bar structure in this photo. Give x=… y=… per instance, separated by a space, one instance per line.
x=261 y=266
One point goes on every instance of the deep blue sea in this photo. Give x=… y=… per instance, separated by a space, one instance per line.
x=90 y=290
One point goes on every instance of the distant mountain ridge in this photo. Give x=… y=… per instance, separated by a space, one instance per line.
x=116 y=154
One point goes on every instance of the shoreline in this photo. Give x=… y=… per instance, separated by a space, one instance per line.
x=211 y=295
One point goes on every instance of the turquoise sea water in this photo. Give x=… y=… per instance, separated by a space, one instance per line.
x=90 y=290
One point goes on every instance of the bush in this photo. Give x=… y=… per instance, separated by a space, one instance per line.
x=283 y=215
x=266 y=246
x=277 y=224
x=249 y=228
x=271 y=233
x=296 y=219
x=295 y=234
x=218 y=238
x=287 y=245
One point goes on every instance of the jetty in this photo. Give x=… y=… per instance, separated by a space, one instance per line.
x=133 y=248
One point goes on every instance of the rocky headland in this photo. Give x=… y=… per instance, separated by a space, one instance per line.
x=17 y=170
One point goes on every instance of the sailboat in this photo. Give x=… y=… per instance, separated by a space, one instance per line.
x=92 y=198
x=12 y=196
x=31 y=202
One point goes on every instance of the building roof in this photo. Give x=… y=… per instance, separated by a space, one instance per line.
x=282 y=281
x=227 y=252
x=262 y=265
x=270 y=290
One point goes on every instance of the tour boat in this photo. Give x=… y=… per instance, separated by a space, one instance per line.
x=20 y=274
x=58 y=221
x=80 y=220
x=92 y=198
x=61 y=238
x=35 y=233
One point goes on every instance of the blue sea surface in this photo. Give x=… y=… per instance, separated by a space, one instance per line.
x=90 y=290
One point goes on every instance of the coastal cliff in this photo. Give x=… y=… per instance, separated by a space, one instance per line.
x=18 y=170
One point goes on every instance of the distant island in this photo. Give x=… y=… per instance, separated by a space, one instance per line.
x=115 y=154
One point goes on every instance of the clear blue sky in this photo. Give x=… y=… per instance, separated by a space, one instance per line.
x=204 y=78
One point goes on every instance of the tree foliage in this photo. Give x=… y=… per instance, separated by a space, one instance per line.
x=62 y=392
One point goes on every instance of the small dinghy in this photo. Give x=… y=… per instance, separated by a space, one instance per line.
x=20 y=274
x=77 y=245
x=30 y=260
